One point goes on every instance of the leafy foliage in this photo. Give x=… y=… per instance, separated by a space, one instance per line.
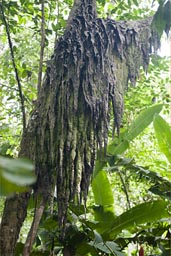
x=162 y=18
x=163 y=134
x=125 y=10
x=142 y=213
x=131 y=163
x=15 y=174
x=138 y=125
x=108 y=233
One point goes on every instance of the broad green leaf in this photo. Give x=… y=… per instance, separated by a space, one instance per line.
x=21 y=177
x=163 y=135
x=119 y=149
x=7 y=187
x=102 y=189
x=15 y=164
x=15 y=174
x=109 y=247
x=142 y=121
x=138 y=126
x=97 y=237
x=104 y=217
x=18 y=171
x=142 y=213
x=103 y=195
x=99 y=165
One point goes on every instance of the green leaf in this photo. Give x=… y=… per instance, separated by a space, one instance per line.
x=163 y=135
x=103 y=195
x=144 y=172
x=7 y=188
x=49 y=224
x=18 y=171
x=102 y=189
x=119 y=149
x=162 y=189
x=97 y=237
x=86 y=249
x=135 y=2
x=142 y=213
x=24 y=73
x=138 y=126
x=77 y=210
x=15 y=174
x=162 y=18
x=142 y=121
x=99 y=165
x=109 y=247
x=104 y=217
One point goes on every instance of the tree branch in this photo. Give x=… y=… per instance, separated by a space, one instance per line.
x=9 y=87
x=41 y=49
x=34 y=227
x=125 y=189
x=15 y=68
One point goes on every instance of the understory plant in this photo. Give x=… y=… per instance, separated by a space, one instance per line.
x=99 y=228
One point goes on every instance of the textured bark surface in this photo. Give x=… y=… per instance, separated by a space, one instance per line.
x=84 y=84
x=14 y=214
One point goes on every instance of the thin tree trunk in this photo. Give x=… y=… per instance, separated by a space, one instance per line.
x=15 y=67
x=42 y=47
x=68 y=251
x=33 y=230
x=14 y=214
x=15 y=209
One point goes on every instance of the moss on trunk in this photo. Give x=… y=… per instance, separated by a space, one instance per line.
x=89 y=72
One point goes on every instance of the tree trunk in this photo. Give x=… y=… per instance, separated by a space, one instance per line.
x=15 y=209
x=14 y=214
x=88 y=73
x=68 y=251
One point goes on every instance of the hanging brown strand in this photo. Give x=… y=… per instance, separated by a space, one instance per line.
x=89 y=71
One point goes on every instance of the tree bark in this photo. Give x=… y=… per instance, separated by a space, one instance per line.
x=88 y=73
x=15 y=209
x=14 y=214
x=34 y=228
x=68 y=251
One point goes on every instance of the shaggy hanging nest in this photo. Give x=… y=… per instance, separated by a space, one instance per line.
x=88 y=73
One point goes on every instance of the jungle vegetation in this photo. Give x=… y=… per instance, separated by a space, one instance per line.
x=85 y=139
